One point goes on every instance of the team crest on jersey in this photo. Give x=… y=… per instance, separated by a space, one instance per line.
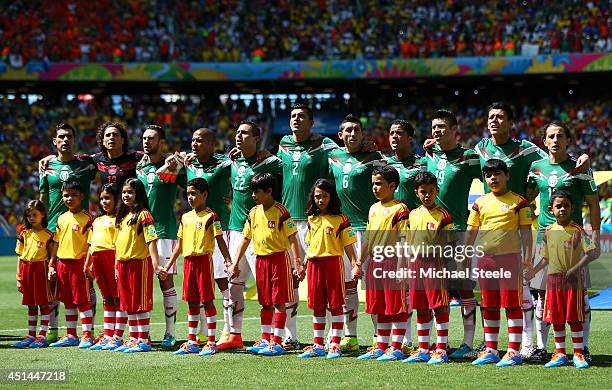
x=442 y=164
x=346 y=168
x=151 y=177
x=505 y=208
x=553 y=180
x=329 y=230
x=297 y=155
x=199 y=172
x=567 y=244
x=199 y=225
x=386 y=211
x=64 y=174
x=431 y=226
x=271 y=224
x=76 y=227
x=39 y=244
x=152 y=231
x=241 y=170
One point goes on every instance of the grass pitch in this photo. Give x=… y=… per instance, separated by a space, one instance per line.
x=161 y=369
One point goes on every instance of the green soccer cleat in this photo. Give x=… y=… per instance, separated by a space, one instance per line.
x=349 y=344
x=52 y=335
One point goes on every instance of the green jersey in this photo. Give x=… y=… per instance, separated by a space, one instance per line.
x=217 y=172
x=407 y=169
x=517 y=154
x=81 y=168
x=455 y=170
x=547 y=177
x=303 y=163
x=162 y=197
x=243 y=170
x=352 y=173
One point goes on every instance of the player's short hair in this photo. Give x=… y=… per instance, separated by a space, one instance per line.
x=566 y=129
x=388 y=173
x=505 y=107
x=157 y=128
x=207 y=133
x=447 y=116
x=119 y=126
x=254 y=127
x=199 y=184
x=72 y=185
x=560 y=193
x=305 y=107
x=350 y=118
x=65 y=126
x=333 y=207
x=404 y=125
x=425 y=177
x=493 y=165
x=35 y=205
x=263 y=181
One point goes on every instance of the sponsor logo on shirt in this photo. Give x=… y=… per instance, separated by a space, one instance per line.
x=271 y=224
x=76 y=227
x=329 y=230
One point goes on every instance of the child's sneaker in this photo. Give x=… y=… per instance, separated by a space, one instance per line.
x=66 y=341
x=311 y=352
x=580 y=361
x=349 y=344
x=558 y=360
x=187 y=348
x=258 y=346
x=100 y=343
x=40 y=342
x=209 y=349
x=372 y=354
x=125 y=346
x=334 y=352
x=419 y=356
x=510 y=359
x=113 y=344
x=486 y=357
x=438 y=357
x=86 y=342
x=139 y=347
x=25 y=342
x=274 y=349
x=391 y=354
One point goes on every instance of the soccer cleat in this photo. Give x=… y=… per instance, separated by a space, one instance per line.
x=334 y=352
x=86 y=342
x=539 y=355
x=187 y=349
x=419 y=356
x=273 y=349
x=52 y=335
x=101 y=341
x=209 y=349
x=25 y=342
x=312 y=352
x=372 y=354
x=169 y=341
x=66 y=341
x=474 y=353
x=233 y=342
x=139 y=347
x=225 y=336
x=258 y=346
x=527 y=352
x=127 y=345
x=587 y=355
x=580 y=361
x=290 y=345
x=438 y=358
x=409 y=348
x=486 y=357
x=112 y=344
x=558 y=360
x=461 y=352
x=39 y=342
x=391 y=354
x=349 y=344
x=510 y=359
x=201 y=338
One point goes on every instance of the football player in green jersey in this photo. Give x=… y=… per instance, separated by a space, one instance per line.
x=351 y=169
x=162 y=200
x=558 y=171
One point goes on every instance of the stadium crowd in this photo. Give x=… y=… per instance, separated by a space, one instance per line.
x=25 y=136
x=208 y=31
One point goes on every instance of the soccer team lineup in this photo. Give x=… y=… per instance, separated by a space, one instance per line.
x=338 y=218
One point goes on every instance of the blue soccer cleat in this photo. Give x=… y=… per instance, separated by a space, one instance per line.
x=25 y=342
x=510 y=359
x=371 y=354
x=112 y=344
x=461 y=352
x=258 y=346
x=391 y=355
x=209 y=349
x=139 y=347
x=486 y=357
x=169 y=341
x=66 y=341
x=127 y=345
x=273 y=349
x=312 y=352
x=40 y=342
x=558 y=360
x=419 y=356
x=580 y=361
x=187 y=349
x=334 y=352
x=438 y=358
x=86 y=342
x=100 y=343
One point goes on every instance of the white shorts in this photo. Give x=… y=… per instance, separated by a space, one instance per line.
x=164 y=251
x=302 y=229
x=218 y=260
x=246 y=267
x=360 y=235
x=539 y=280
